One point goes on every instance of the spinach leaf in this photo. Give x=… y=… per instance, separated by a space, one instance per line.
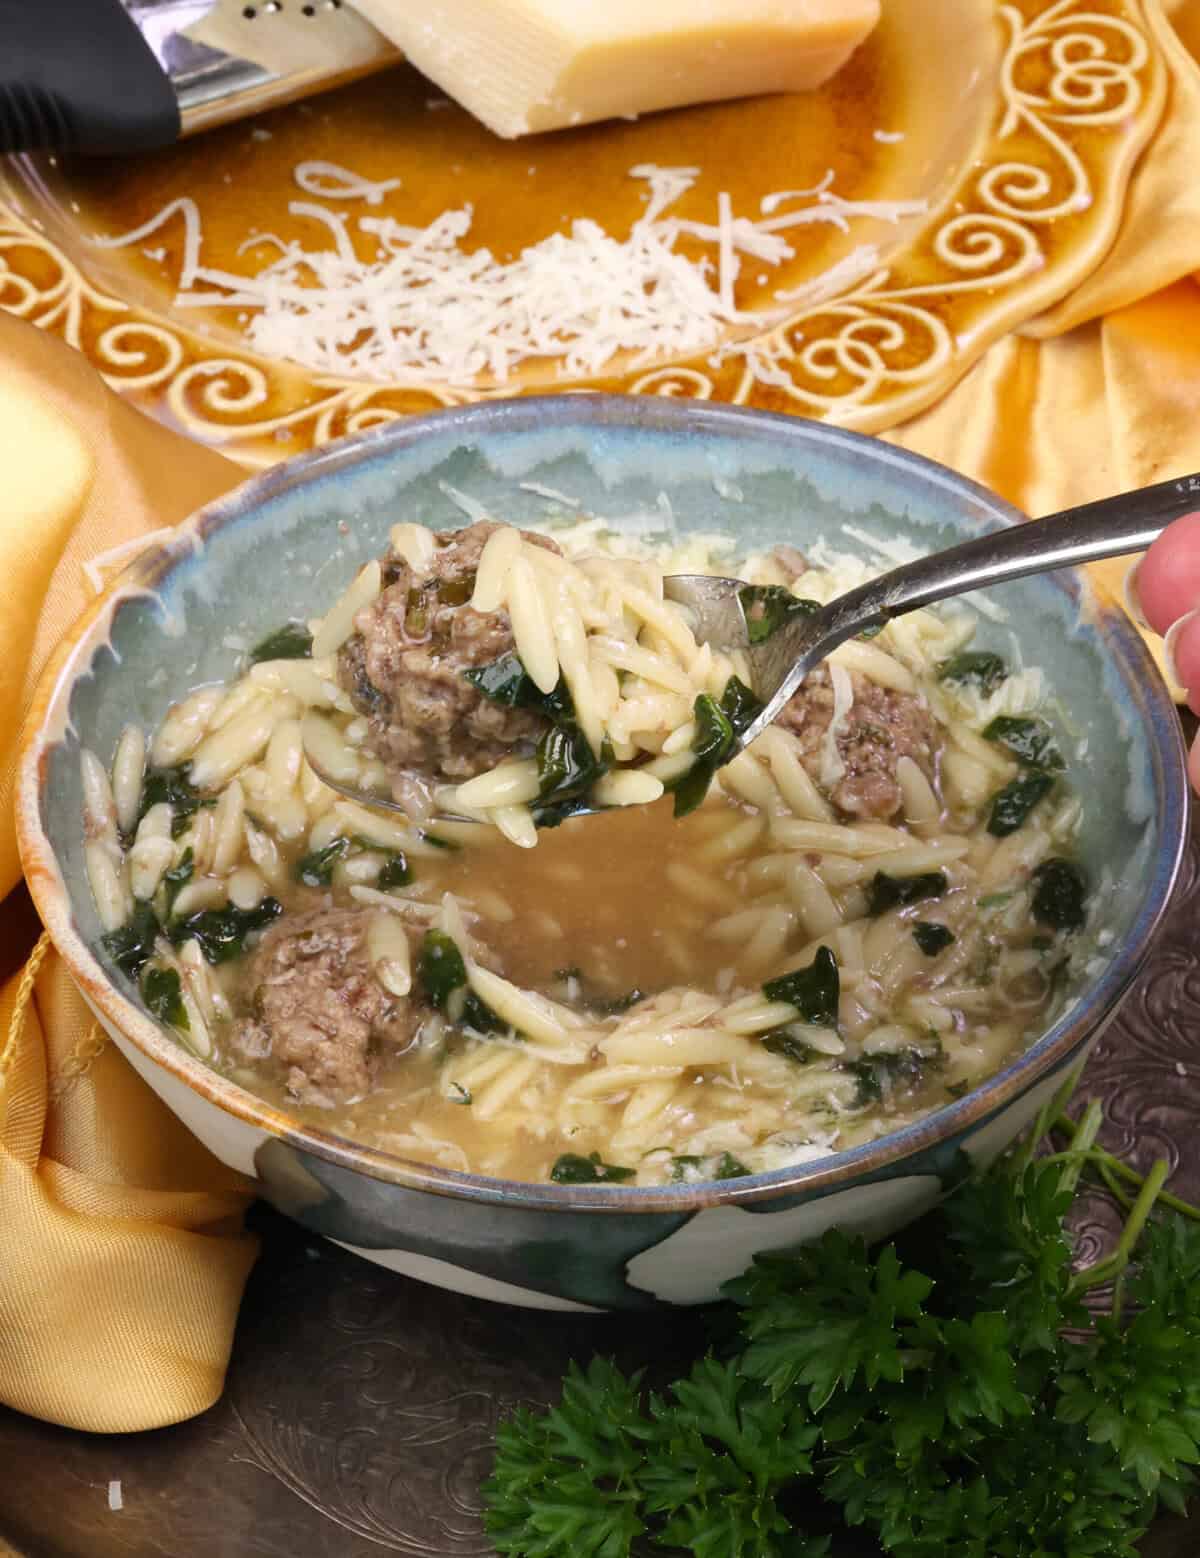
x=222 y=932
x=880 y=1076
x=506 y=681
x=1030 y=740
x=292 y=641
x=440 y=843
x=888 y=892
x=782 y=1041
x=978 y=667
x=316 y=870
x=163 y=995
x=714 y=731
x=958 y=1089
x=768 y=607
x=739 y=705
x=479 y=1017
x=725 y=1167
x=613 y=1006
x=177 y=878
x=714 y=736
x=558 y=812
x=814 y=991
x=395 y=872
x=131 y=945
x=174 y=786
x=932 y=938
x=573 y=1169
x=464 y=1094
x=1012 y=804
x=1060 y=889
x=567 y=766
x=440 y=967
x=690 y=788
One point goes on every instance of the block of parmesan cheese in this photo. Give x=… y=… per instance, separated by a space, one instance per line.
x=523 y=66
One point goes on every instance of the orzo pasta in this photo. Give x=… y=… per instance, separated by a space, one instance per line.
x=733 y=969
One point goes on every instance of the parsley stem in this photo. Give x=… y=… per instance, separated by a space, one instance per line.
x=1116 y=1166
x=1115 y=1263
x=1125 y=1202
x=1082 y=1142
x=1048 y=1116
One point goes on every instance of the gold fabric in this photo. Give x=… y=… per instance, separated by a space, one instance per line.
x=122 y=1256
x=122 y=1259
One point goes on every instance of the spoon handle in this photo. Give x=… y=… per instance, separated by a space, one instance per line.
x=1110 y=527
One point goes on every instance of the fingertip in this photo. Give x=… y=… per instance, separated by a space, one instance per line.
x=1167 y=585
x=1181 y=651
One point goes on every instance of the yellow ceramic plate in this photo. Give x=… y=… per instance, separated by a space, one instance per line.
x=1011 y=127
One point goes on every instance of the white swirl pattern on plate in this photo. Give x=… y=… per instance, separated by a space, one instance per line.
x=1080 y=85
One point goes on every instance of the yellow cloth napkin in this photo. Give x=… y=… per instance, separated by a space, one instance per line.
x=121 y=1259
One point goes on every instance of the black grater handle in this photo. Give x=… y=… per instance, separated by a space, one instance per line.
x=77 y=76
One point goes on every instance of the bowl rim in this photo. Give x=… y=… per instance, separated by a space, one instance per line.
x=47 y=720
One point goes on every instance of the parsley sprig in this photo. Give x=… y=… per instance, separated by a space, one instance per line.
x=949 y=1392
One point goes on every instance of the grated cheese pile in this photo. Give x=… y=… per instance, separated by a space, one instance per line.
x=420 y=306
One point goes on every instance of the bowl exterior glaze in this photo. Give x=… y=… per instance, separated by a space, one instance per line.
x=288 y=541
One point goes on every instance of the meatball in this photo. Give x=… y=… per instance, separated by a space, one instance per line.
x=316 y=1009
x=403 y=667
x=882 y=727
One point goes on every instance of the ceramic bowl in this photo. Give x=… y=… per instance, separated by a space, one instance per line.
x=286 y=542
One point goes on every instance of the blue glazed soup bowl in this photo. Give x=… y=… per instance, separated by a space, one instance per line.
x=286 y=542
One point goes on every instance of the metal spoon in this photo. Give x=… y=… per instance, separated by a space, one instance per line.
x=1111 y=527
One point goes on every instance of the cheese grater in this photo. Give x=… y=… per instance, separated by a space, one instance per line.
x=113 y=76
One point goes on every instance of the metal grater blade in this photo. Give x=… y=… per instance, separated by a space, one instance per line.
x=230 y=58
